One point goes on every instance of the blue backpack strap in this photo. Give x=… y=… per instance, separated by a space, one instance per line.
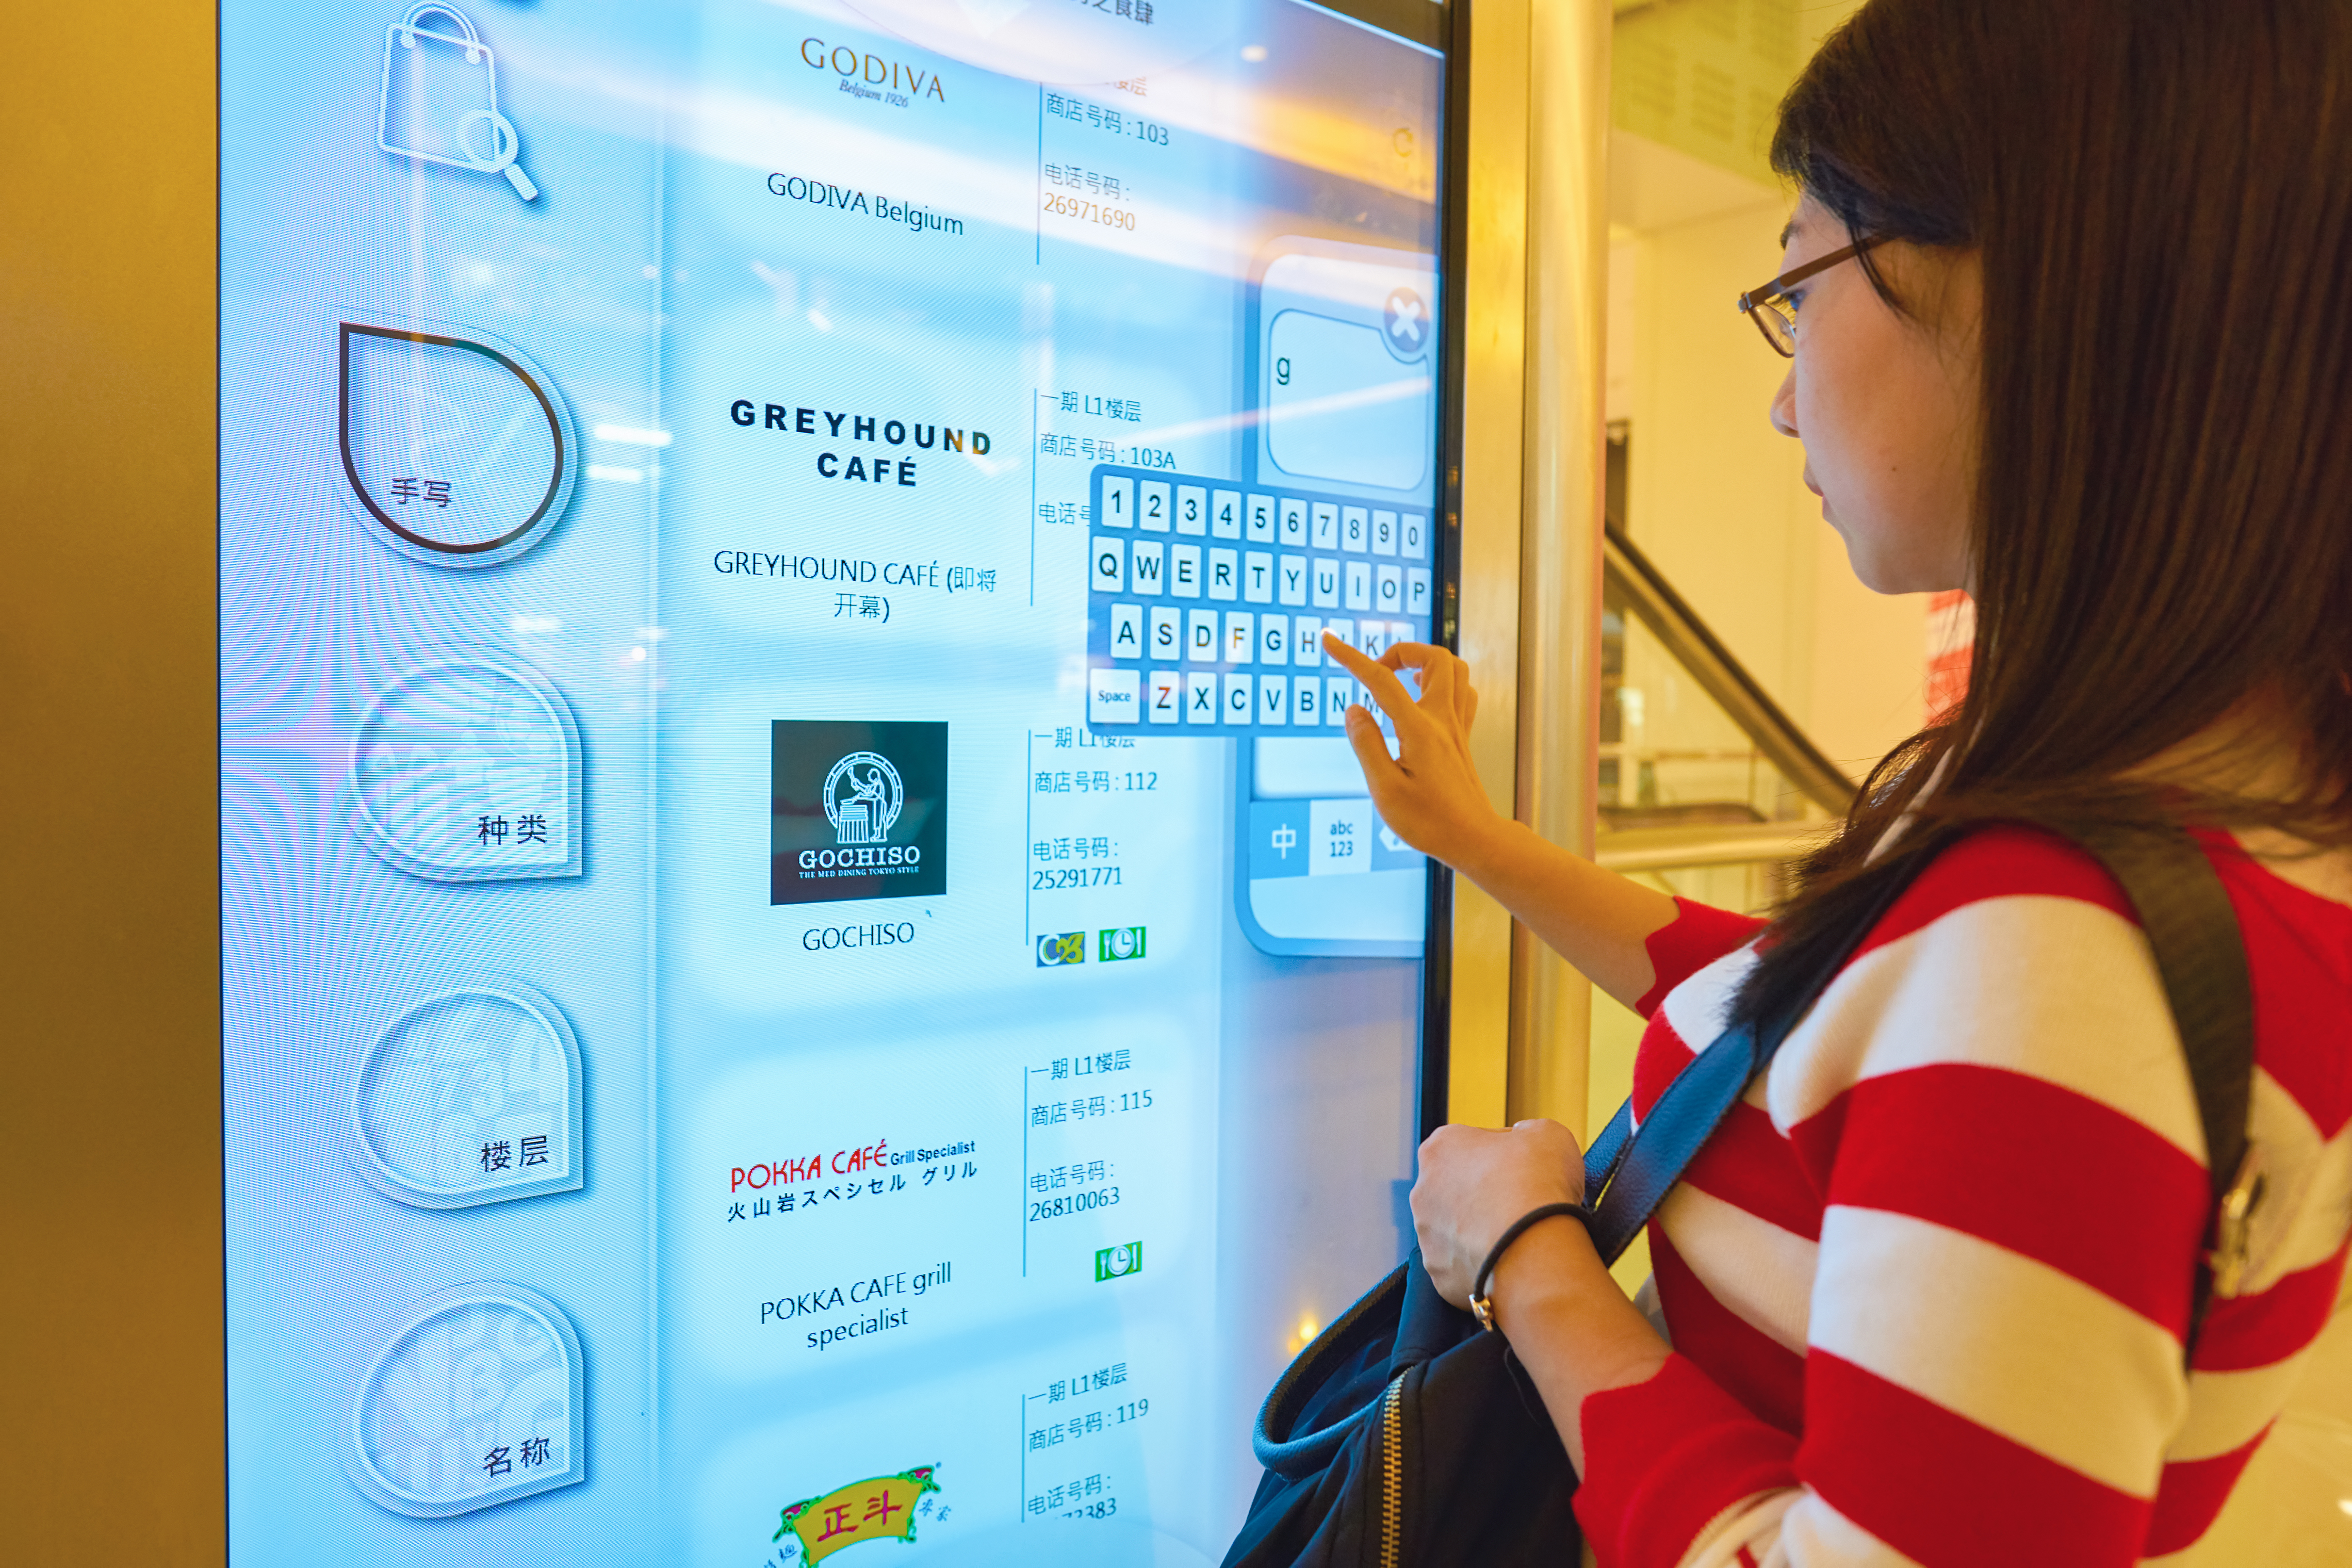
x=1684 y=1117
x=1635 y=1172
x=1608 y=1148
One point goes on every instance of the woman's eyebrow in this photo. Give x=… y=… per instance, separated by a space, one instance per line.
x=1788 y=230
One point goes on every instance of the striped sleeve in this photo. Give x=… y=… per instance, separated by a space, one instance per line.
x=1694 y=938
x=1992 y=1105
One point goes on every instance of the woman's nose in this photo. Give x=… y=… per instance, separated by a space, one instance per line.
x=1784 y=405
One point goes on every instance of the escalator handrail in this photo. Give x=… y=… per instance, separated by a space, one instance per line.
x=1672 y=622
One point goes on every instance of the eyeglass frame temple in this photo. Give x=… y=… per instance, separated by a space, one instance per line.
x=1766 y=293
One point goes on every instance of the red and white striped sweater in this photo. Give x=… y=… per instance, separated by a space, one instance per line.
x=1928 y=1285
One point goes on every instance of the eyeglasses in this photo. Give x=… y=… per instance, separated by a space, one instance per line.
x=1767 y=305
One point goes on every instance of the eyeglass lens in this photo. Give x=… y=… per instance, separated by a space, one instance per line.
x=1778 y=330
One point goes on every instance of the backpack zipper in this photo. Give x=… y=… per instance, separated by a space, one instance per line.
x=1392 y=1474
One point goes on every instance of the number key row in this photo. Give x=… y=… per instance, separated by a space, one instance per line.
x=1158 y=506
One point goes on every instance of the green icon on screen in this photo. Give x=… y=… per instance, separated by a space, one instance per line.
x=1118 y=1262
x=1117 y=942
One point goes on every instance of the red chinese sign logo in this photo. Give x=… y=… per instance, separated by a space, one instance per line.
x=879 y=1507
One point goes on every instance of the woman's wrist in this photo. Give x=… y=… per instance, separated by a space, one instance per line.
x=1566 y=1318
x=1552 y=1263
x=1484 y=852
x=1482 y=1283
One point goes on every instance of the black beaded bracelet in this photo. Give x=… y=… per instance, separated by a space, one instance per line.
x=1482 y=1305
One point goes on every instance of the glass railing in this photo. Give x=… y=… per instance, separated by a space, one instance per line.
x=1707 y=785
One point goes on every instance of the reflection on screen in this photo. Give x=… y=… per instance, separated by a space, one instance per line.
x=799 y=925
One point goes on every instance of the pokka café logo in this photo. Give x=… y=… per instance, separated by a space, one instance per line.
x=859 y=811
x=881 y=1507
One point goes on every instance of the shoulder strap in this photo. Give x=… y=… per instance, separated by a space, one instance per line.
x=2200 y=958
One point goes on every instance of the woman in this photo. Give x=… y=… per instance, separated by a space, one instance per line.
x=2065 y=298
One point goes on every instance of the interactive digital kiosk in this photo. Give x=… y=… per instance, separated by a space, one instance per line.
x=807 y=966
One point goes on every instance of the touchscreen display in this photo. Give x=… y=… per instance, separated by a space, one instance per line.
x=807 y=965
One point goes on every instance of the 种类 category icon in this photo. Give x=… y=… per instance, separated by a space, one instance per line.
x=458 y=450
x=470 y=1096
x=466 y=768
x=474 y=1398
x=438 y=100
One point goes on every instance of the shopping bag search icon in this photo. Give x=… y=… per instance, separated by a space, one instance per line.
x=439 y=99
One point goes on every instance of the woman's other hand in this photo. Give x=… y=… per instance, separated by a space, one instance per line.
x=1475 y=1181
x=1568 y=1323
x=1428 y=794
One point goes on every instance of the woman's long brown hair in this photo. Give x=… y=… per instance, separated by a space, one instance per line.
x=2160 y=195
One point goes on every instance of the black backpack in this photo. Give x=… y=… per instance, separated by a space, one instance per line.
x=1403 y=1437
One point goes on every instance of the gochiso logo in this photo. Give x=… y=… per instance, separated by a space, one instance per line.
x=863 y=798
x=858 y=809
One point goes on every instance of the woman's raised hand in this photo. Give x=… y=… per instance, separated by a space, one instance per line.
x=1428 y=794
